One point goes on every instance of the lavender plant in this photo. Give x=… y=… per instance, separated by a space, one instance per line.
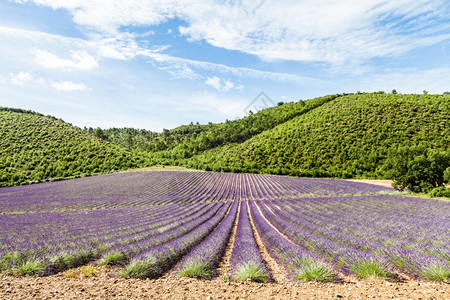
x=202 y=261
x=246 y=261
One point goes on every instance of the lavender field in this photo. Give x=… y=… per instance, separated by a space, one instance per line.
x=149 y=222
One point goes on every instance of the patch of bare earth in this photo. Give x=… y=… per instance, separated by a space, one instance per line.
x=381 y=182
x=105 y=286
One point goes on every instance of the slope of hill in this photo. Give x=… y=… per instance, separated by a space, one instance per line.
x=35 y=148
x=333 y=136
x=188 y=140
x=347 y=137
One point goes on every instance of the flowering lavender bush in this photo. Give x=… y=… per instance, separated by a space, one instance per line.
x=246 y=261
x=148 y=221
x=202 y=261
x=300 y=263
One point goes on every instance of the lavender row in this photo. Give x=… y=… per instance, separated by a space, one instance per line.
x=405 y=234
x=53 y=230
x=299 y=262
x=346 y=251
x=202 y=261
x=58 y=253
x=166 y=187
x=246 y=261
x=157 y=260
x=122 y=253
x=426 y=231
x=343 y=258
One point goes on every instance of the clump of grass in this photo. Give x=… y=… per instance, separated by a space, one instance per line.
x=112 y=258
x=196 y=269
x=87 y=271
x=139 y=269
x=250 y=271
x=103 y=247
x=315 y=272
x=436 y=272
x=370 y=268
x=30 y=267
x=8 y=260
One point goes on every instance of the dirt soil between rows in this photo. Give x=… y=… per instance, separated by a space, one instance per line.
x=104 y=285
x=381 y=182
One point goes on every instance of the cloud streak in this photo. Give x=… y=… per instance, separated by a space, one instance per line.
x=80 y=61
x=69 y=86
x=219 y=84
x=28 y=78
x=334 y=32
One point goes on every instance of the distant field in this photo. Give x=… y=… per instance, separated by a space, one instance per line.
x=239 y=226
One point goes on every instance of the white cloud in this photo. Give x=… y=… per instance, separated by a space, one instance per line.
x=219 y=84
x=328 y=31
x=23 y=78
x=26 y=78
x=214 y=82
x=80 y=60
x=69 y=86
x=180 y=71
x=176 y=62
x=324 y=31
x=124 y=47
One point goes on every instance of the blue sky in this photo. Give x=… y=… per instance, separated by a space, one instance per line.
x=161 y=64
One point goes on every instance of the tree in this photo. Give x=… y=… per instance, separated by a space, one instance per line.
x=417 y=169
x=394 y=92
x=447 y=175
x=98 y=132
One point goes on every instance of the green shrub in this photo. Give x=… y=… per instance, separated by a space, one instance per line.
x=316 y=272
x=436 y=272
x=139 y=269
x=417 y=168
x=370 y=269
x=30 y=267
x=250 y=271
x=195 y=269
x=440 y=192
x=113 y=258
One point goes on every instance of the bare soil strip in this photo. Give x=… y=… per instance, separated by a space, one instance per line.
x=279 y=275
x=103 y=285
x=224 y=265
x=380 y=182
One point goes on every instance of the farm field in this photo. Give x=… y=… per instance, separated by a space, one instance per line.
x=229 y=227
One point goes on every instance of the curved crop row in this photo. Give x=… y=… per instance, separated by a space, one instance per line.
x=202 y=261
x=155 y=261
x=246 y=261
x=299 y=262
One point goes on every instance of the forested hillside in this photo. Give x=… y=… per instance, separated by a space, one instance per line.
x=188 y=140
x=347 y=137
x=333 y=136
x=35 y=148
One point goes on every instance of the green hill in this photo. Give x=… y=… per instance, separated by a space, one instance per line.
x=188 y=140
x=36 y=148
x=332 y=136
x=346 y=137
